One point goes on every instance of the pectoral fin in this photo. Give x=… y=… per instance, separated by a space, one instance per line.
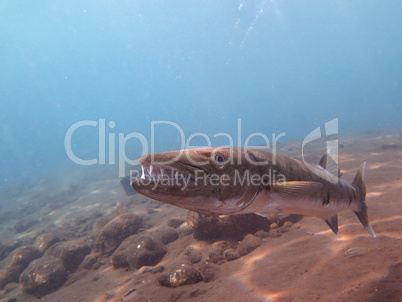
x=294 y=189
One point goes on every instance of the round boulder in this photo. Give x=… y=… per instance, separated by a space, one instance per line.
x=71 y=253
x=182 y=276
x=43 y=276
x=138 y=251
x=231 y=255
x=17 y=262
x=248 y=244
x=24 y=255
x=167 y=235
x=44 y=241
x=114 y=232
x=194 y=256
x=233 y=227
x=216 y=252
x=175 y=222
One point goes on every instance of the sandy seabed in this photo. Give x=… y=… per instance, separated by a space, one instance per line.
x=306 y=263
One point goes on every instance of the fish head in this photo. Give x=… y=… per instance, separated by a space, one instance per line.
x=211 y=181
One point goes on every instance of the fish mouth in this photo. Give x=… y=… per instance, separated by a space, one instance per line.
x=195 y=180
x=166 y=175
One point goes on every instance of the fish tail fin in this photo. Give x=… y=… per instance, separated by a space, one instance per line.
x=361 y=211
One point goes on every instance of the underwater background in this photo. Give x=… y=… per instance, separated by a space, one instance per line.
x=279 y=66
x=87 y=87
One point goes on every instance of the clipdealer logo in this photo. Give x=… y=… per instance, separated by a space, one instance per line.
x=114 y=144
x=109 y=141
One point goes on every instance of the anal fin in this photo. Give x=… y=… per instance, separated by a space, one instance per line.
x=333 y=223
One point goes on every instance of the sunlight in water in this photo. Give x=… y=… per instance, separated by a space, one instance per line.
x=245 y=278
x=373 y=194
x=346 y=157
x=348 y=237
x=252 y=264
x=377 y=154
x=378 y=165
x=336 y=247
x=86 y=207
x=395 y=217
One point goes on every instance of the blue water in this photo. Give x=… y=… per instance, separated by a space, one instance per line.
x=279 y=66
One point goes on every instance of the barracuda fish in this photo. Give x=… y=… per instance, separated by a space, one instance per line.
x=226 y=181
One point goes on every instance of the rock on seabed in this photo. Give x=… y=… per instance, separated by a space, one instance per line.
x=115 y=231
x=138 y=251
x=43 y=276
x=71 y=253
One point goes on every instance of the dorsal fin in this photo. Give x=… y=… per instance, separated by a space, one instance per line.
x=329 y=164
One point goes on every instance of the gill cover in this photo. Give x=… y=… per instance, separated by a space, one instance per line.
x=239 y=174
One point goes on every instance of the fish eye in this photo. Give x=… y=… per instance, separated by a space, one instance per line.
x=220 y=159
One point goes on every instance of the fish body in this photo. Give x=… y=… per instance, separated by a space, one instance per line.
x=229 y=180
